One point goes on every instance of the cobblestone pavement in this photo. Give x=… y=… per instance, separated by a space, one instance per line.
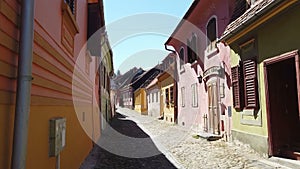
x=106 y=157
x=179 y=148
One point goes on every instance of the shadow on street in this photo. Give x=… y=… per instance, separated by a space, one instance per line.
x=123 y=143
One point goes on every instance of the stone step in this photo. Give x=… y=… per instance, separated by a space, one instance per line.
x=286 y=162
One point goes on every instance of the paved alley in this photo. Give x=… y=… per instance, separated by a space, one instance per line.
x=110 y=154
x=170 y=146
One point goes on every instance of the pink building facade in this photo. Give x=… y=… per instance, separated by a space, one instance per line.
x=204 y=82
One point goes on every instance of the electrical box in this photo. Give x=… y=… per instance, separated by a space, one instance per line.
x=57 y=136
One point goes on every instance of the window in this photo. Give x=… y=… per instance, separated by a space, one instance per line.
x=148 y=97
x=211 y=34
x=167 y=97
x=156 y=96
x=244 y=79
x=72 y=5
x=194 y=95
x=250 y=83
x=192 y=47
x=182 y=96
x=181 y=57
x=171 y=96
x=93 y=25
x=152 y=97
x=69 y=26
x=237 y=87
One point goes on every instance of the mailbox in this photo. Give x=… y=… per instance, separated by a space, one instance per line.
x=57 y=136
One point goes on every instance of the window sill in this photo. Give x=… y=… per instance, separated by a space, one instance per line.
x=248 y=117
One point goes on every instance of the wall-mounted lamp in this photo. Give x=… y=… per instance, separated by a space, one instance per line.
x=199 y=79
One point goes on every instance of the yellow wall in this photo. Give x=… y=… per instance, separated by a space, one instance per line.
x=77 y=142
x=6 y=134
x=140 y=102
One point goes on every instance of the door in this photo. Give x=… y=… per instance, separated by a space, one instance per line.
x=213 y=109
x=283 y=108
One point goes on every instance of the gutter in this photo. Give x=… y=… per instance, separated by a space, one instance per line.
x=23 y=86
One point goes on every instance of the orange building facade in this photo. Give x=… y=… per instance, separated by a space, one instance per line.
x=61 y=29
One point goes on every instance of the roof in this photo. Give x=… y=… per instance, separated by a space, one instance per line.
x=153 y=83
x=146 y=78
x=125 y=79
x=187 y=14
x=260 y=8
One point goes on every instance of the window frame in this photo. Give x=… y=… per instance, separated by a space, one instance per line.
x=192 y=49
x=167 y=101
x=194 y=88
x=181 y=58
x=248 y=77
x=237 y=82
x=171 y=94
x=209 y=43
x=152 y=96
x=182 y=96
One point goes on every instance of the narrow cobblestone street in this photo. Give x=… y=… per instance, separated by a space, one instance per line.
x=101 y=158
x=173 y=147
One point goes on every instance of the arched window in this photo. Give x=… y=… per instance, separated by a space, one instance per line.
x=211 y=33
x=181 y=57
x=192 y=49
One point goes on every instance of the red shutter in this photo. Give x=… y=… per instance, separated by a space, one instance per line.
x=250 y=83
x=237 y=89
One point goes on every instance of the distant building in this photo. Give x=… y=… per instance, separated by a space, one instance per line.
x=139 y=90
x=153 y=99
x=124 y=95
x=167 y=83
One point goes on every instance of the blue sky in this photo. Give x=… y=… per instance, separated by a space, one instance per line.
x=138 y=29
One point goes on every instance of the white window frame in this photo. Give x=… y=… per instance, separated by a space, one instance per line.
x=194 y=95
x=182 y=96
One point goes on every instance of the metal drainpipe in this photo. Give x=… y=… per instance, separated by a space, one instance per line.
x=23 y=86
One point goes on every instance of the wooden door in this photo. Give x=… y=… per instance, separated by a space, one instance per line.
x=213 y=109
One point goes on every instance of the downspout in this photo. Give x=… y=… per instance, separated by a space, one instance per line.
x=175 y=85
x=23 y=86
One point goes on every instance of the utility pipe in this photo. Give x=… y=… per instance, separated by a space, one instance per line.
x=23 y=86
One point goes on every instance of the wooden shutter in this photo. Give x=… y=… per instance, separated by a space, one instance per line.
x=250 y=83
x=237 y=88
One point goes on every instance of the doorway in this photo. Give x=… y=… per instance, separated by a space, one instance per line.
x=213 y=109
x=283 y=110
